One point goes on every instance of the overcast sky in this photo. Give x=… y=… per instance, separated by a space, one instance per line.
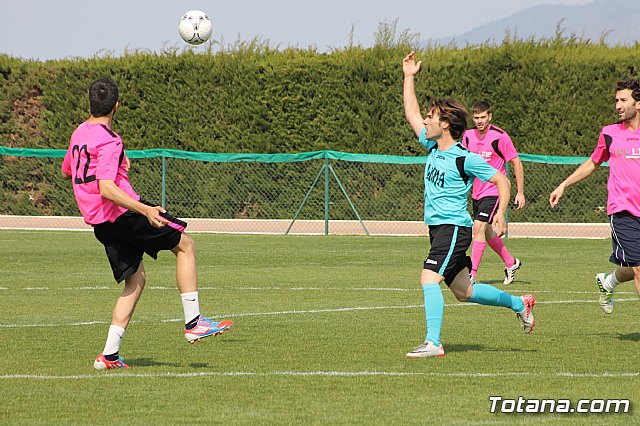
x=56 y=29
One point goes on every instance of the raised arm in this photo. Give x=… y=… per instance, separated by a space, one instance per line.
x=411 y=107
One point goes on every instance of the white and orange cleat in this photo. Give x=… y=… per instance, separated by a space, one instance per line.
x=526 y=316
x=427 y=349
x=101 y=363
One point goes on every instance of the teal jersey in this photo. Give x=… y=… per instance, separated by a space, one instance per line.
x=448 y=177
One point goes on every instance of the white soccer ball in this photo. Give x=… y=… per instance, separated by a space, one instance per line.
x=195 y=27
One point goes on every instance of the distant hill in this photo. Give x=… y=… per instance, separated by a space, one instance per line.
x=618 y=20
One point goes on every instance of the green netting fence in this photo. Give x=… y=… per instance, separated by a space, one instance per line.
x=281 y=192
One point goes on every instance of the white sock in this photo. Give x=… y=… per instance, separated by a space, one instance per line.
x=114 y=338
x=190 y=305
x=612 y=281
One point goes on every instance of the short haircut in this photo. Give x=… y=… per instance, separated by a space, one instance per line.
x=630 y=84
x=481 y=106
x=453 y=112
x=103 y=96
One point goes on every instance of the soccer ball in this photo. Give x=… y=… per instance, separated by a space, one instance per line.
x=195 y=27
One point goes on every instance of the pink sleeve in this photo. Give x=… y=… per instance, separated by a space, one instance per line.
x=108 y=160
x=66 y=164
x=600 y=153
x=507 y=148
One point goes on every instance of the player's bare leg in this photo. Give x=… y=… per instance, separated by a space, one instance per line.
x=120 y=317
x=186 y=272
x=126 y=303
x=636 y=278
x=197 y=327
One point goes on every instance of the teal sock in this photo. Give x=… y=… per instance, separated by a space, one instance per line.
x=433 y=309
x=485 y=294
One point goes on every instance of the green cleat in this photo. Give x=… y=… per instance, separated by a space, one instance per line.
x=606 y=296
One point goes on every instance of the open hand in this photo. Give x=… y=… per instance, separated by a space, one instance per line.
x=409 y=65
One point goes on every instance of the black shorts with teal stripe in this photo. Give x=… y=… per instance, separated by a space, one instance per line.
x=625 y=238
x=448 y=252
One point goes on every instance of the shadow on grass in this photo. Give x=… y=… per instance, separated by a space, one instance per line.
x=228 y=339
x=500 y=283
x=481 y=348
x=490 y=282
x=456 y=347
x=514 y=350
x=634 y=337
x=148 y=362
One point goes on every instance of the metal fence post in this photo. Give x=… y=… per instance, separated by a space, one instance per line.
x=164 y=182
x=306 y=197
x=326 y=195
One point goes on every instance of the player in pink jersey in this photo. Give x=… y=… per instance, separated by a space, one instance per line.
x=496 y=147
x=127 y=227
x=619 y=144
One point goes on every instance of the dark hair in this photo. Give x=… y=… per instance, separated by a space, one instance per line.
x=630 y=84
x=481 y=106
x=103 y=96
x=453 y=112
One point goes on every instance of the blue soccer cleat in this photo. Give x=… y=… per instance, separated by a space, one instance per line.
x=206 y=328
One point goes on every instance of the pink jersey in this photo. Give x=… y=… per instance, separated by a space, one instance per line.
x=96 y=153
x=496 y=148
x=621 y=148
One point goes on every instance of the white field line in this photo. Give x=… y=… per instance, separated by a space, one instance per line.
x=104 y=375
x=318 y=289
x=293 y=312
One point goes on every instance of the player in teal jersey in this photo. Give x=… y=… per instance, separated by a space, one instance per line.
x=449 y=173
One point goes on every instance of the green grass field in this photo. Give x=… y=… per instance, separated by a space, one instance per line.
x=322 y=325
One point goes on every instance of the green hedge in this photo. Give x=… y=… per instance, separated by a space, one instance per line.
x=553 y=96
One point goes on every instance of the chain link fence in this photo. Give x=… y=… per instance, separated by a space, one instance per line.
x=323 y=192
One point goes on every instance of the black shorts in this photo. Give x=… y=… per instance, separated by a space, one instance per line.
x=625 y=237
x=485 y=208
x=131 y=235
x=448 y=253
